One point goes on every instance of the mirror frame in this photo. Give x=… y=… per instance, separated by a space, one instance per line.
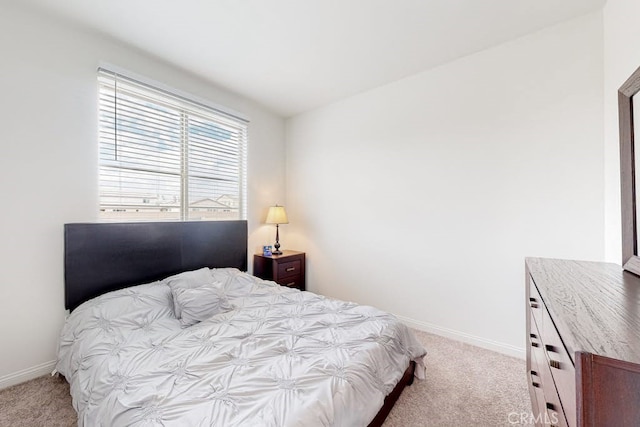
x=630 y=258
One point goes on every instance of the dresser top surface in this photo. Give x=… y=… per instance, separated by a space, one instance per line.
x=594 y=305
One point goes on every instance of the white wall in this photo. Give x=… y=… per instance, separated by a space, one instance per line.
x=48 y=168
x=423 y=197
x=621 y=58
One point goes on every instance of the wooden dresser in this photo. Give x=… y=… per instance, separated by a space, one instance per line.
x=583 y=343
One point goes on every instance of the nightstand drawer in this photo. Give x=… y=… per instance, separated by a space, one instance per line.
x=286 y=269
x=291 y=282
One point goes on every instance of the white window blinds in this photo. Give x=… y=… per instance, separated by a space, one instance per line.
x=163 y=157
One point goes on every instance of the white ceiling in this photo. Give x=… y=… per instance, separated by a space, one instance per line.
x=296 y=55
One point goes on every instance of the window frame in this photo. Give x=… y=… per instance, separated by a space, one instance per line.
x=192 y=111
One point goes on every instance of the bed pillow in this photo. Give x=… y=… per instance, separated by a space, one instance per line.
x=198 y=304
x=190 y=279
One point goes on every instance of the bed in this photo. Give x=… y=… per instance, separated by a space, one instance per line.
x=167 y=328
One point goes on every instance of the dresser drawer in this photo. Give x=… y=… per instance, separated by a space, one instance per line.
x=535 y=379
x=546 y=399
x=289 y=269
x=561 y=367
x=535 y=303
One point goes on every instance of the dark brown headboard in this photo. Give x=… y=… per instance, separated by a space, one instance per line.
x=102 y=257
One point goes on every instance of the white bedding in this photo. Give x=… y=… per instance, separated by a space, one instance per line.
x=278 y=357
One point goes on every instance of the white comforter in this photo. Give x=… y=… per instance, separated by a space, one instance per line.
x=279 y=357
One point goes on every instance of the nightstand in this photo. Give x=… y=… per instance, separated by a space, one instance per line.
x=286 y=269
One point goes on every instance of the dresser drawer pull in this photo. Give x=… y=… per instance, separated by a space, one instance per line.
x=552 y=349
x=291 y=284
x=533 y=343
x=534 y=383
x=532 y=299
x=534 y=305
x=291 y=269
x=552 y=407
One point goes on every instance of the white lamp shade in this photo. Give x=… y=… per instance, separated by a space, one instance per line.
x=277 y=215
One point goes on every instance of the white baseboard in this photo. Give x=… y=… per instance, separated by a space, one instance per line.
x=499 y=347
x=27 y=374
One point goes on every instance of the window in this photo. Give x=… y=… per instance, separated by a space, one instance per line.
x=163 y=157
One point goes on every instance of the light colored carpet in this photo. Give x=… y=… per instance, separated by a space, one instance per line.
x=42 y=402
x=465 y=386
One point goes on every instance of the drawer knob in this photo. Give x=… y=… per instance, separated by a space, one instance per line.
x=291 y=284
x=534 y=305
x=291 y=269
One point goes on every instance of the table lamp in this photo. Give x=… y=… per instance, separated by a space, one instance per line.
x=277 y=215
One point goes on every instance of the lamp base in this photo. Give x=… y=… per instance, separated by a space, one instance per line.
x=277 y=245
